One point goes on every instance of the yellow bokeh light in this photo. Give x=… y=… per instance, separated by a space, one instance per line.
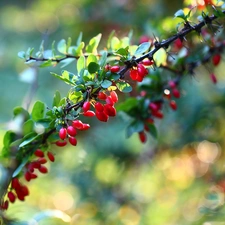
x=63 y=200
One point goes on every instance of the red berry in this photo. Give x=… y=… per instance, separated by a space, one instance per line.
x=176 y=93
x=86 y=106
x=114 y=96
x=86 y=126
x=61 y=143
x=27 y=176
x=43 y=169
x=11 y=196
x=133 y=74
x=51 y=157
x=5 y=205
x=77 y=124
x=15 y=183
x=41 y=161
x=24 y=190
x=39 y=153
x=115 y=69
x=109 y=101
x=142 y=136
x=173 y=105
x=62 y=133
x=71 y=131
x=216 y=59
x=102 y=96
x=157 y=114
x=142 y=71
x=102 y=116
x=99 y=107
x=213 y=78
x=178 y=43
x=33 y=176
x=107 y=67
x=139 y=78
x=73 y=141
x=172 y=84
x=143 y=39
x=37 y=164
x=89 y=113
x=110 y=110
x=147 y=62
x=153 y=106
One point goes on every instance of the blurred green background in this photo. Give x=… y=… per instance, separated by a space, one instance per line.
x=108 y=179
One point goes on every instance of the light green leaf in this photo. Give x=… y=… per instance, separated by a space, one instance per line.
x=93 y=44
x=38 y=111
x=80 y=63
x=8 y=138
x=124 y=87
x=56 y=99
x=62 y=47
x=142 y=48
x=103 y=59
x=21 y=111
x=91 y=58
x=79 y=39
x=22 y=55
x=109 y=41
x=160 y=57
x=127 y=105
x=28 y=127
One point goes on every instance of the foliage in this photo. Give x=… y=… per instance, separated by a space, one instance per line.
x=148 y=75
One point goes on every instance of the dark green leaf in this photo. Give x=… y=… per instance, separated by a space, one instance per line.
x=180 y=14
x=21 y=111
x=122 y=52
x=38 y=111
x=106 y=83
x=20 y=167
x=93 y=67
x=9 y=137
x=28 y=139
x=103 y=59
x=153 y=130
x=127 y=105
x=142 y=48
x=135 y=127
x=124 y=87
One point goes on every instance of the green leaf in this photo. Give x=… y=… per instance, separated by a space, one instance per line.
x=67 y=76
x=79 y=39
x=93 y=67
x=103 y=59
x=80 y=63
x=127 y=105
x=47 y=63
x=109 y=41
x=62 y=47
x=56 y=99
x=8 y=138
x=91 y=58
x=28 y=127
x=106 y=83
x=115 y=43
x=93 y=44
x=28 y=139
x=20 y=167
x=122 y=51
x=124 y=87
x=142 y=48
x=152 y=130
x=38 y=111
x=160 y=57
x=21 y=111
x=135 y=127
x=69 y=40
x=180 y=14
x=22 y=55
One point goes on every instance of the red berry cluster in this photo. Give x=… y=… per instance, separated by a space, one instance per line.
x=70 y=132
x=17 y=191
x=104 y=111
x=138 y=73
